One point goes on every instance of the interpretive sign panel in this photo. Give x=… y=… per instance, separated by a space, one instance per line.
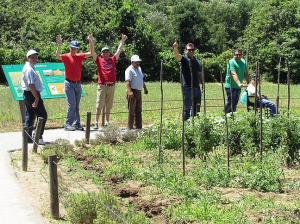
x=52 y=76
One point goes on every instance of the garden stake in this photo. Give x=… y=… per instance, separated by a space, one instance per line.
x=192 y=86
x=289 y=86
x=247 y=54
x=182 y=132
x=278 y=81
x=161 y=112
x=88 y=127
x=226 y=123
x=203 y=78
x=255 y=100
x=53 y=181
x=24 y=148
x=260 y=109
x=230 y=92
x=37 y=136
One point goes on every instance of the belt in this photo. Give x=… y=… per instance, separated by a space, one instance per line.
x=107 y=84
x=73 y=81
x=134 y=90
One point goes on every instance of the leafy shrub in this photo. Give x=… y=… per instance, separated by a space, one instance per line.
x=236 y=129
x=130 y=136
x=260 y=177
x=250 y=133
x=274 y=133
x=81 y=208
x=201 y=136
x=292 y=140
x=149 y=138
x=111 y=134
x=80 y=143
x=60 y=147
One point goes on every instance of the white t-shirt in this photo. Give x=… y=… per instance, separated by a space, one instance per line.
x=251 y=93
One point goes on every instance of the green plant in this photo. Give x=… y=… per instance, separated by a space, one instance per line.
x=201 y=136
x=60 y=147
x=292 y=140
x=130 y=136
x=81 y=208
x=111 y=134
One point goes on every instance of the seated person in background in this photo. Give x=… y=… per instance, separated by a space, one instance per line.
x=264 y=100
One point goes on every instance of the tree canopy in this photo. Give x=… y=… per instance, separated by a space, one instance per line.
x=266 y=29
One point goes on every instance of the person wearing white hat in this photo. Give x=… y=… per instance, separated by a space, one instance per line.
x=32 y=87
x=106 y=80
x=73 y=66
x=135 y=83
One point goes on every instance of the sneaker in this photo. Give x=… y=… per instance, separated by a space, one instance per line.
x=106 y=124
x=96 y=126
x=41 y=142
x=79 y=127
x=69 y=128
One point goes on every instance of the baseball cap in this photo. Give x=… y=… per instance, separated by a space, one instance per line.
x=74 y=44
x=135 y=58
x=31 y=52
x=104 y=49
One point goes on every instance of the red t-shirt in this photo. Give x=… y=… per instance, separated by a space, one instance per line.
x=73 y=65
x=106 y=69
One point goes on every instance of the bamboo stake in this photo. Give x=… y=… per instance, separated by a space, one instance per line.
x=182 y=132
x=278 y=82
x=203 y=78
x=289 y=86
x=260 y=109
x=161 y=112
x=226 y=122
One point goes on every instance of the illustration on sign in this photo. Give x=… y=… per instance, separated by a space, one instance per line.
x=52 y=76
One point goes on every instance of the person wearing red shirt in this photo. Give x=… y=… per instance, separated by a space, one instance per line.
x=106 y=80
x=73 y=67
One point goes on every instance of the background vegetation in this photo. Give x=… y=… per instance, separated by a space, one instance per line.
x=268 y=29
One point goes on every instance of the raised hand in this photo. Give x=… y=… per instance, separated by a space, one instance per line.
x=175 y=45
x=91 y=38
x=59 y=40
x=124 y=37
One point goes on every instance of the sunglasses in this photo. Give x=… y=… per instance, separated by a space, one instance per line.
x=190 y=49
x=238 y=54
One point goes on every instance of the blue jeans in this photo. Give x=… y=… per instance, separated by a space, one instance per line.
x=269 y=104
x=187 y=98
x=235 y=99
x=73 y=96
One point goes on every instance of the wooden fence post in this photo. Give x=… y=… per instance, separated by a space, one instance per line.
x=24 y=149
x=53 y=181
x=88 y=127
x=37 y=134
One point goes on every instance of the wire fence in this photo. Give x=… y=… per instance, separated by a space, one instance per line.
x=210 y=103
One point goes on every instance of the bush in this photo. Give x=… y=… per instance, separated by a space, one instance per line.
x=111 y=135
x=201 y=136
x=81 y=208
x=130 y=136
x=60 y=147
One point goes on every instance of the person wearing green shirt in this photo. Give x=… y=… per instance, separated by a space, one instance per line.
x=237 y=68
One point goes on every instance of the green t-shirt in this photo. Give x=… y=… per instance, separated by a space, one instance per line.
x=239 y=67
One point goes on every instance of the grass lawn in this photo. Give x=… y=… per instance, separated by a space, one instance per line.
x=56 y=108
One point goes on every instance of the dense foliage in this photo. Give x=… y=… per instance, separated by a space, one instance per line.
x=269 y=29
